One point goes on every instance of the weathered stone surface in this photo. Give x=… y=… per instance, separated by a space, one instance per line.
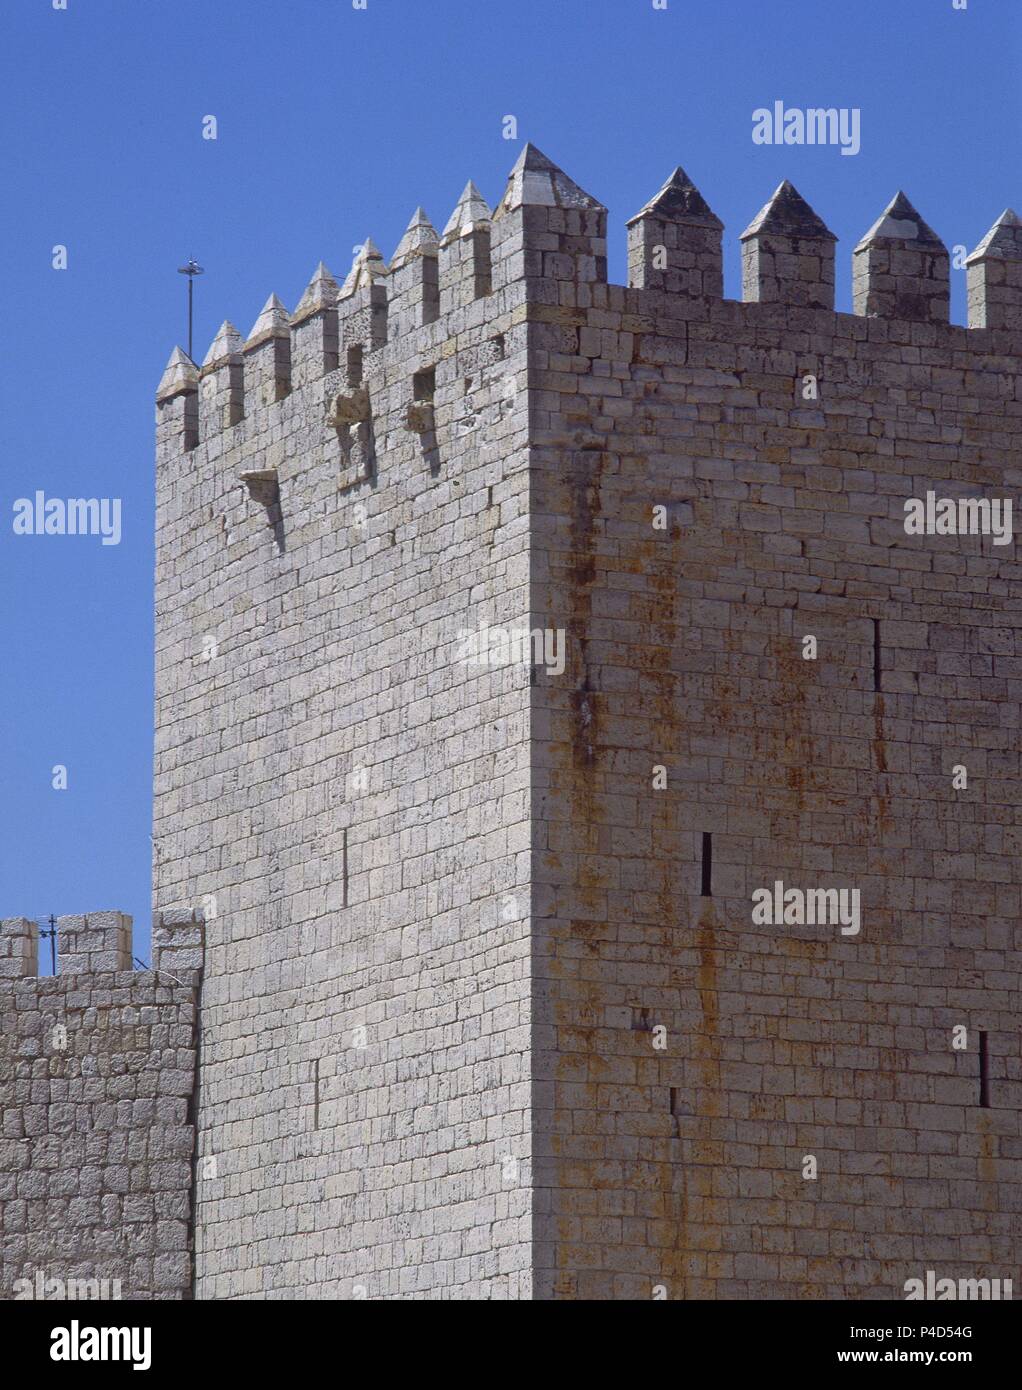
x=788 y=254
x=994 y=276
x=471 y=864
x=901 y=268
x=471 y=1027
x=674 y=242
x=367 y=267
x=83 y=1056
x=180 y=374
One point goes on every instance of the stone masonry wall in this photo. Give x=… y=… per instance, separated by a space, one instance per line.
x=485 y=1012
x=348 y=802
x=672 y=1165
x=97 y=1082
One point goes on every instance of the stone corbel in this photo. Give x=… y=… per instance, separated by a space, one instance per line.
x=348 y=408
x=263 y=485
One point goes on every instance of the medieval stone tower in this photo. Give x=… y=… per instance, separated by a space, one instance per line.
x=485 y=1008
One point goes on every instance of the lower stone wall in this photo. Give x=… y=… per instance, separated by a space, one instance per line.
x=97 y=1075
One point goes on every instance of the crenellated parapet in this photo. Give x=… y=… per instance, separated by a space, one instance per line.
x=98 y=1070
x=464 y=264
x=414 y=285
x=362 y=303
x=19 y=948
x=901 y=268
x=177 y=405
x=314 y=332
x=700 y=504
x=95 y=943
x=267 y=355
x=674 y=242
x=547 y=228
x=995 y=276
x=548 y=236
x=788 y=254
x=221 y=382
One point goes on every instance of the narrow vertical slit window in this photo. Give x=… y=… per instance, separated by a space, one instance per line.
x=344 y=868
x=876 y=653
x=315 y=1093
x=707 y=888
x=984 y=1072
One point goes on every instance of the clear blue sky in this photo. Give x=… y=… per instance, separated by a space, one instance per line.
x=333 y=124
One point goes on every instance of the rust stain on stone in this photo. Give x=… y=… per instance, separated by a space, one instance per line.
x=671 y=1175
x=790 y=696
x=577 y=790
x=652 y=653
x=706 y=979
x=586 y=505
x=986 y=1165
x=879 y=750
x=698 y=1149
x=881 y=803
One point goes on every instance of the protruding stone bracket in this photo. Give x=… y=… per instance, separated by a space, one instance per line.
x=419 y=417
x=263 y=485
x=348 y=408
x=358 y=459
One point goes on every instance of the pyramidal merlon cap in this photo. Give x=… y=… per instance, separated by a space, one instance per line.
x=788 y=214
x=419 y=239
x=899 y=221
x=180 y=374
x=226 y=344
x=367 y=267
x=678 y=200
x=1003 y=239
x=320 y=293
x=536 y=181
x=471 y=211
x=273 y=322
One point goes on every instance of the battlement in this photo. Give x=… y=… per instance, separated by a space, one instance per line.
x=98 y=1075
x=548 y=237
x=96 y=942
x=455 y=897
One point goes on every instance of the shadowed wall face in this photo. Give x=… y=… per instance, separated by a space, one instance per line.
x=712 y=485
